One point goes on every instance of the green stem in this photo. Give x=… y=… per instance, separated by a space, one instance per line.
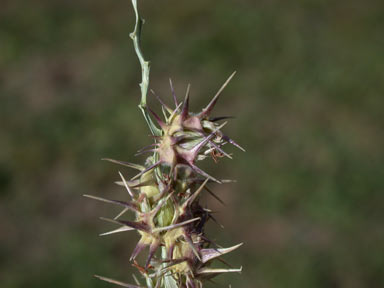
x=135 y=35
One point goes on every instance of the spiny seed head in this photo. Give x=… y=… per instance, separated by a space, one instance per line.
x=165 y=199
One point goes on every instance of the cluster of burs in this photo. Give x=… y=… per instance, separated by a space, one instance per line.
x=164 y=198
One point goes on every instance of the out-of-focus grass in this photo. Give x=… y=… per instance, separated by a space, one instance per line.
x=308 y=99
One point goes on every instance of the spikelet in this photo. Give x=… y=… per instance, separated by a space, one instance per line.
x=164 y=194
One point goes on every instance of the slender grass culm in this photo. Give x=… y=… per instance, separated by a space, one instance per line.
x=164 y=195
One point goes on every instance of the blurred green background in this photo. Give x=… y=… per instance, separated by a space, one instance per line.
x=308 y=101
